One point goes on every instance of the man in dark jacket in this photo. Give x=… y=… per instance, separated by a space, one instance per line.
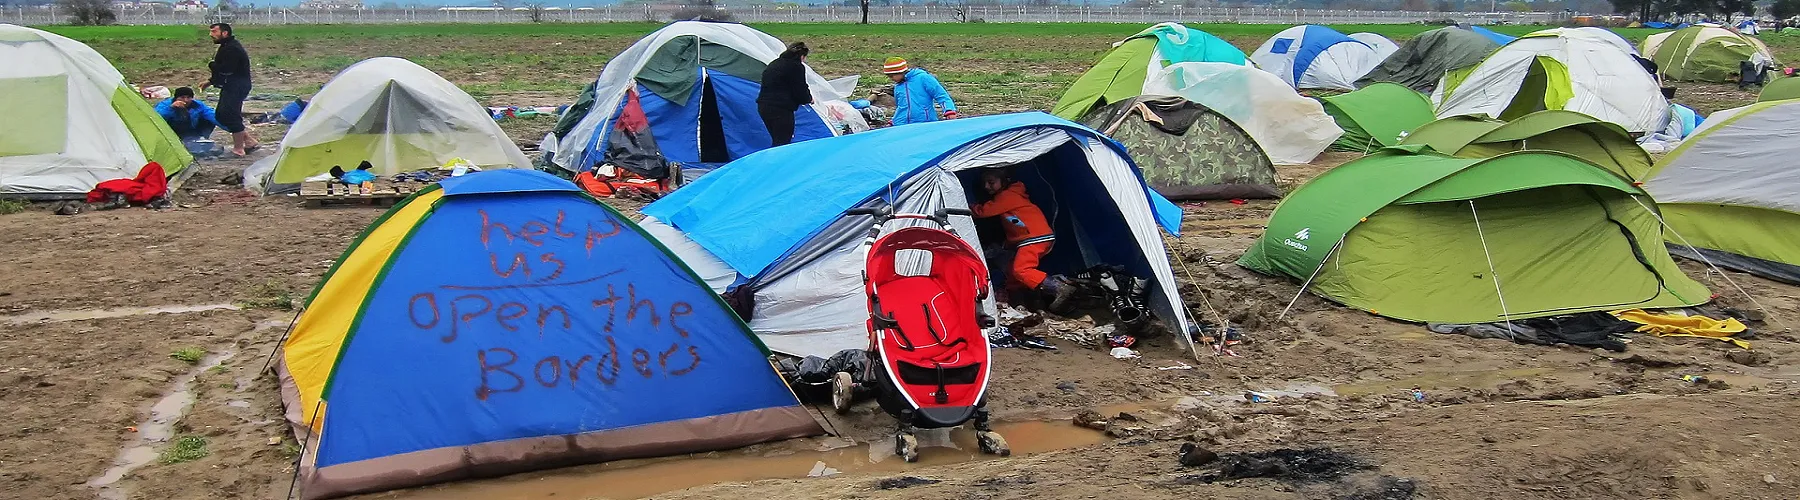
x=231 y=74
x=783 y=91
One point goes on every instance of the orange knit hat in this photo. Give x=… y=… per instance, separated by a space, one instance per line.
x=895 y=65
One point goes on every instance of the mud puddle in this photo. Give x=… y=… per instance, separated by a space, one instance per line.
x=642 y=478
x=86 y=314
x=154 y=431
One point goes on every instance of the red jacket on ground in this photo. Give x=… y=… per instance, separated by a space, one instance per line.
x=150 y=184
x=1023 y=221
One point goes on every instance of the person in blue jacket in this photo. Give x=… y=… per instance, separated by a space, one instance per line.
x=918 y=96
x=190 y=118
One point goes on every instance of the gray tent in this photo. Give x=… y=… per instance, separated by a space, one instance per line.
x=1425 y=58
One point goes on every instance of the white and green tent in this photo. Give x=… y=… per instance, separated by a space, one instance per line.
x=1587 y=70
x=1704 y=53
x=1732 y=192
x=72 y=120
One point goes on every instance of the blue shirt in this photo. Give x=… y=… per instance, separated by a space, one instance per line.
x=917 y=98
x=196 y=112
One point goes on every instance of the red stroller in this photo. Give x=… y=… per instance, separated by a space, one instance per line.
x=930 y=354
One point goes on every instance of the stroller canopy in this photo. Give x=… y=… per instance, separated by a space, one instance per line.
x=741 y=227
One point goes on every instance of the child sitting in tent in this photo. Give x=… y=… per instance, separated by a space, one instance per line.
x=1026 y=231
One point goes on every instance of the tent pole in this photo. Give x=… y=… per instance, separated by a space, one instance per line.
x=1309 y=279
x=1495 y=274
x=1224 y=324
x=1709 y=263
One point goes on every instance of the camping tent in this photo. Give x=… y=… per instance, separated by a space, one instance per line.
x=796 y=263
x=1587 y=70
x=695 y=83
x=1425 y=58
x=1382 y=45
x=1120 y=74
x=1376 y=116
x=1316 y=57
x=1188 y=152
x=393 y=113
x=75 y=122
x=1731 y=189
x=1603 y=144
x=1497 y=38
x=1291 y=128
x=1780 y=90
x=1418 y=236
x=505 y=321
x=1704 y=53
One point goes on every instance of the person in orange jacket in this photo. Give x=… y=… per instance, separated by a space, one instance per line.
x=1026 y=231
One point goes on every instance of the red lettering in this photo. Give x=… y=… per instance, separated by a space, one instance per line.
x=640 y=360
x=518 y=261
x=531 y=230
x=594 y=237
x=556 y=367
x=607 y=367
x=488 y=227
x=611 y=303
x=560 y=233
x=575 y=369
x=502 y=317
x=678 y=310
x=485 y=390
x=693 y=352
x=457 y=319
x=412 y=311
x=550 y=258
x=543 y=317
x=631 y=313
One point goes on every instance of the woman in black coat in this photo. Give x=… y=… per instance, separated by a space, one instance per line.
x=783 y=91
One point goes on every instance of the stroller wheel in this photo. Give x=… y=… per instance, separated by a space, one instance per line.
x=907 y=447
x=992 y=443
x=842 y=388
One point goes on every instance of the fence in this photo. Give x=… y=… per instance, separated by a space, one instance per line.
x=840 y=14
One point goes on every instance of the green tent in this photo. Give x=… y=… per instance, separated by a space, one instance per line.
x=1704 y=53
x=1414 y=235
x=1186 y=151
x=1598 y=142
x=1376 y=116
x=1780 y=90
x=1425 y=58
x=1120 y=74
x=1731 y=190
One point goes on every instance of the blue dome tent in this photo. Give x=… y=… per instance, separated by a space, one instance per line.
x=772 y=226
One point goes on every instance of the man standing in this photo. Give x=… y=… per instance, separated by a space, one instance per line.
x=917 y=94
x=783 y=91
x=188 y=117
x=231 y=74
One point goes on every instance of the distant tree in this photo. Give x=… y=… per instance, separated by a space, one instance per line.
x=534 y=11
x=700 y=10
x=1785 y=9
x=88 y=12
x=1443 y=6
x=1413 y=5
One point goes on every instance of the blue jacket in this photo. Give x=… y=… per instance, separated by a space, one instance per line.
x=200 y=111
x=918 y=97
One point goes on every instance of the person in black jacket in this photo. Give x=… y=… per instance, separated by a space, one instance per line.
x=783 y=91
x=231 y=74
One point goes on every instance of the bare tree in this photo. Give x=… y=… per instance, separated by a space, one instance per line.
x=535 y=11
x=88 y=12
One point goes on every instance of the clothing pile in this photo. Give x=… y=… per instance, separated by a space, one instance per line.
x=149 y=188
x=1594 y=329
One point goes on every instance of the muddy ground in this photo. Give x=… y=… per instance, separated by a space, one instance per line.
x=1496 y=420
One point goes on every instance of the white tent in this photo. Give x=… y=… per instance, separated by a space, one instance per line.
x=1316 y=57
x=708 y=53
x=74 y=122
x=1291 y=128
x=1382 y=45
x=1586 y=70
x=1731 y=190
x=395 y=114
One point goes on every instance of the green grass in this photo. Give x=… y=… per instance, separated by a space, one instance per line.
x=12 y=206
x=271 y=294
x=189 y=355
x=186 y=449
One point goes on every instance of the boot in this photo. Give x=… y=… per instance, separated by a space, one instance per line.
x=1058 y=290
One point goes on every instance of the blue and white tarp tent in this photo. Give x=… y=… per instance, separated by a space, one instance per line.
x=1316 y=57
x=696 y=83
x=772 y=226
x=1493 y=35
x=505 y=321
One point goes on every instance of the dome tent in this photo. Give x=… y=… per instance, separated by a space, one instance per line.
x=1704 y=53
x=796 y=263
x=76 y=121
x=1185 y=151
x=1604 y=144
x=1376 y=116
x=1729 y=191
x=695 y=83
x=1425 y=58
x=1413 y=235
x=1316 y=57
x=1779 y=90
x=419 y=359
x=1587 y=70
x=1292 y=129
x=396 y=115
x=1121 y=73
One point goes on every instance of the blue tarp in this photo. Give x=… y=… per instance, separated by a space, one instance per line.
x=1314 y=41
x=1690 y=120
x=518 y=308
x=754 y=210
x=676 y=126
x=1492 y=35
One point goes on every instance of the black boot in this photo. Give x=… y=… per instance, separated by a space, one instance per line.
x=1058 y=290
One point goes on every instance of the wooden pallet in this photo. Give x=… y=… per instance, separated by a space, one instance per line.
x=377 y=200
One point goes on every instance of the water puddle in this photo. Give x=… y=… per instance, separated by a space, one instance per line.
x=642 y=478
x=157 y=429
x=86 y=314
x=1472 y=379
